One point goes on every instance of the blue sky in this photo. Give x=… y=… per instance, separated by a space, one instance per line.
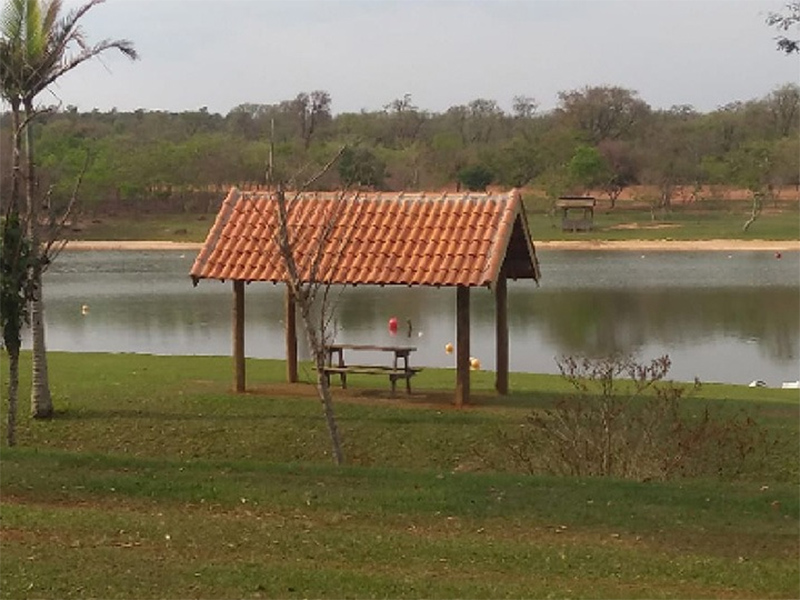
x=365 y=53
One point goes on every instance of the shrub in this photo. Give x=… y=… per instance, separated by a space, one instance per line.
x=623 y=419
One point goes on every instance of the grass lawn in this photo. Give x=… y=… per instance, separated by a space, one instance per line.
x=702 y=220
x=183 y=227
x=154 y=481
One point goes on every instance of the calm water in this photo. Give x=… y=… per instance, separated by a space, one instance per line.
x=721 y=317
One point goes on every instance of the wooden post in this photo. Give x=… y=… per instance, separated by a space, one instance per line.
x=291 y=337
x=501 y=341
x=462 y=345
x=238 y=336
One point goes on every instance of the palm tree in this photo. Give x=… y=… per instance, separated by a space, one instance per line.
x=14 y=263
x=38 y=47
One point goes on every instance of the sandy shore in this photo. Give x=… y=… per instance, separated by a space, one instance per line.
x=637 y=245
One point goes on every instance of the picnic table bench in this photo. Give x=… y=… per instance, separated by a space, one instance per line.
x=399 y=369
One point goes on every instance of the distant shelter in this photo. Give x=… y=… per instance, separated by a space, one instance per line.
x=577 y=212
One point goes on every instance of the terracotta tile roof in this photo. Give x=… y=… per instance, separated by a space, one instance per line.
x=362 y=238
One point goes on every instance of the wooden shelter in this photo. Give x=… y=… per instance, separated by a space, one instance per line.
x=356 y=238
x=572 y=204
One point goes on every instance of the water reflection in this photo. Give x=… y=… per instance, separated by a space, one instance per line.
x=720 y=317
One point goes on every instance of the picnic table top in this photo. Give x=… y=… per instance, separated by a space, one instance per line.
x=371 y=347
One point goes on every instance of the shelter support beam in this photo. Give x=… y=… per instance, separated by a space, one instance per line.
x=291 y=337
x=501 y=341
x=238 y=336
x=462 y=345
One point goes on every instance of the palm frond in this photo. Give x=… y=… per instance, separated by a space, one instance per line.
x=124 y=46
x=13 y=19
x=45 y=44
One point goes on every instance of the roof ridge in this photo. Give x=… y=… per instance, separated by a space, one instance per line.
x=505 y=229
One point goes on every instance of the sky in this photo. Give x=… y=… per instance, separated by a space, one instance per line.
x=219 y=54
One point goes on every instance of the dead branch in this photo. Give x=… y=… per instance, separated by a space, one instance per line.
x=55 y=241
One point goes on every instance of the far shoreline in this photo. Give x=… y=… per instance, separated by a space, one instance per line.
x=629 y=245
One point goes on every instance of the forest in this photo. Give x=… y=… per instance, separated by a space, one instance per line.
x=601 y=139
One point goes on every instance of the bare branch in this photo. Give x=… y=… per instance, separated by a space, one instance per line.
x=57 y=224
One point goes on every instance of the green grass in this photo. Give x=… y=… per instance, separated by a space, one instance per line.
x=183 y=227
x=697 y=221
x=154 y=481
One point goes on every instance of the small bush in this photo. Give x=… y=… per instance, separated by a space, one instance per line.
x=624 y=419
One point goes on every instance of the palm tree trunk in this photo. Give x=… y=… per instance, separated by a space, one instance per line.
x=41 y=399
x=13 y=394
x=13 y=345
x=16 y=153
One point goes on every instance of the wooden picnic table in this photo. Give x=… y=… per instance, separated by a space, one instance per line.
x=400 y=367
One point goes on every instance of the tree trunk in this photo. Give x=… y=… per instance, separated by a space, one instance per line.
x=324 y=391
x=13 y=394
x=290 y=311
x=41 y=400
x=758 y=201
x=316 y=346
x=13 y=352
x=16 y=154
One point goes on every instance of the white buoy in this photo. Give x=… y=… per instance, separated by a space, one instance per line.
x=85 y=309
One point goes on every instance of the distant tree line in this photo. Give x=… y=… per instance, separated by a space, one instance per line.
x=600 y=138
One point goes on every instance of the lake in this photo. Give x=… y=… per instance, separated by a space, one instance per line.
x=721 y=316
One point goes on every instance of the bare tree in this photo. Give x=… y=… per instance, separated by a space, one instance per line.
x=404 y=122
x=524 y=107
x=312 y=110
x=783 y=104
x=306 y=275
x=622 y=167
